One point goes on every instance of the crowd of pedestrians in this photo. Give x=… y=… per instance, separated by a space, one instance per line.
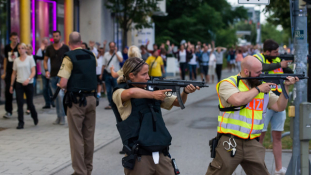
x=203 y=59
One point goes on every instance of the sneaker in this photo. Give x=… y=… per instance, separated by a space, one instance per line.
x=282 y=171
x=98 y=95
x=56 y=121
x=108 y=107
x=62 y=121
x=7 y=115
x=46 y=107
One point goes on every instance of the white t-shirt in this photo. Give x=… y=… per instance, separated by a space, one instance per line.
x=99 y=65
x=115 y=62
x=23 y=68
x=182 y=56
x=212 y=60
x=193 y=60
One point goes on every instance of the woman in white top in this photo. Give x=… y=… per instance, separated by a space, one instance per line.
x=193 y=65
x=182 y=58
x=24 y=70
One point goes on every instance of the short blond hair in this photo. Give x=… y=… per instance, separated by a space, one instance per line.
x=134 y=52
x=30 y=46
x=23 y=45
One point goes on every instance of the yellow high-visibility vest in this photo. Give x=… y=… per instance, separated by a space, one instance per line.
x=247 y=122
x=262 y=59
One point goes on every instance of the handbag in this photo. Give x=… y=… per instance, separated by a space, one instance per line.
x=105 y=71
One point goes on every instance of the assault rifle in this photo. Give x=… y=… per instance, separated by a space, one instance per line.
x=275 y=78
x=175 y=85
x=287 y=57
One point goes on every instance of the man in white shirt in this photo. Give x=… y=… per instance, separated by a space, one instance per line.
x=111 y=58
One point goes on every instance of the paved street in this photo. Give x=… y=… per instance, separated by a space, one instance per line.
x=44 y=149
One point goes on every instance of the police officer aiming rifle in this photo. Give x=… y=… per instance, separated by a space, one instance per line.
x=140 y=123
x=242 y=108
x=78 y=76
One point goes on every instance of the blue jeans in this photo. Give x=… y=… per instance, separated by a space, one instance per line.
x=59 y=100
x=110 y=84
x=192 y=69
x=47 y=92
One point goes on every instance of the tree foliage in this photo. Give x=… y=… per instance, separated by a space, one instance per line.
x=198 y=20
x=269 y=31
x=129 y=12
x=279 y=14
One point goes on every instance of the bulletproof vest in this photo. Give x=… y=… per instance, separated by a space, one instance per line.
x=145 y=125
x=83 y=75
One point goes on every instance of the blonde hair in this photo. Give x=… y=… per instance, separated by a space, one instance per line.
x=24 y=46
x=131 y=65
x=134 y=52
x=30 y=46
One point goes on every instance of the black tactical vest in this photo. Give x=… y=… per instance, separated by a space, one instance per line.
x=83 y=75
x=145 y=125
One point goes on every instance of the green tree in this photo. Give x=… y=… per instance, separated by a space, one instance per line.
x=128 y=12
x=269 y=31
x=279 y=12
x=197 y=20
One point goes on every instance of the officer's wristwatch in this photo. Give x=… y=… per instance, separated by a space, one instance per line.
x=257 y=89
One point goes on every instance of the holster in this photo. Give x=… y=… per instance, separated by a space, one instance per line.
x=129 y=161
x=213 y=144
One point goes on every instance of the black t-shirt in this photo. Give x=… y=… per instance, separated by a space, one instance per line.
x=10 y=55
x=56 y=57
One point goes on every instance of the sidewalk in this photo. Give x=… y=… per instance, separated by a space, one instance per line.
x=44 y=149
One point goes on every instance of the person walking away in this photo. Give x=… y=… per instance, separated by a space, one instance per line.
x=238 y=131
x=55 y=53
x=193 y=65
x=156 y=65
x=238 y=59
x=24 y=70
x=111 y=58
x=272 y=64
x=219 y=54
x=212 y=66
x=127 y=102
x=10 y=53
x=78 y=77
x=47 y=92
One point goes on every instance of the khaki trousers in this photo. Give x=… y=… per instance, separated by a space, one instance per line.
x=146 y=166
x=81 y=123
x=250 y=154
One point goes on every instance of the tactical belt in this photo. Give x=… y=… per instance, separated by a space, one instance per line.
x=142 y=151
x=233 y=136
x=72 y=98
